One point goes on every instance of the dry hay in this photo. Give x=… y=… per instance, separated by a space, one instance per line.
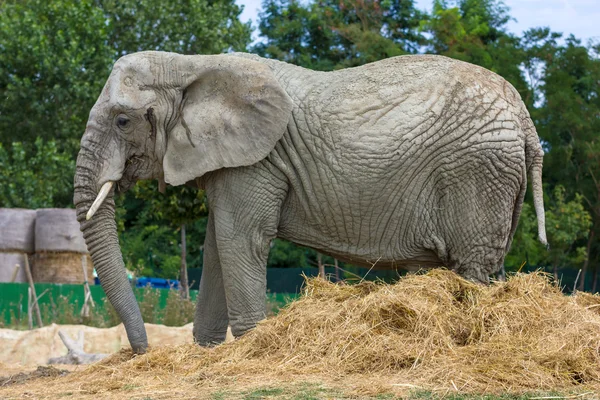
x=434 y=331
x=61 y=267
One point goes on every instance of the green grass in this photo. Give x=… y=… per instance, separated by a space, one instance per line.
x=297 y=392
x=318 y=392
x=525 y=396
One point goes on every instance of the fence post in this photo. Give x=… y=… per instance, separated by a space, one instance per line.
x=15 y=272
x=29 y=313
x=87 y=294
x=33 y=294
x=321 y=266
x=337 y=270
x=183 y=278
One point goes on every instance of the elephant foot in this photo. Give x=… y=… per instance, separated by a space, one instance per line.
x=208 y=338
x=241 y=326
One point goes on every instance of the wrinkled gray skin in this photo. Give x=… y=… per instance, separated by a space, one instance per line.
x=411 y=161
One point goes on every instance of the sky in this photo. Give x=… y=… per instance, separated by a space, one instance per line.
x=579 y=17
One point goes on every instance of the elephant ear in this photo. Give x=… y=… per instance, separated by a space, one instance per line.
x=232 y=114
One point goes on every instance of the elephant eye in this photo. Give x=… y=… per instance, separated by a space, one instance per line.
x=122 y=121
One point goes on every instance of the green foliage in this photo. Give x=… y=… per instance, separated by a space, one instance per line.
x=188 y=26
x=150 y=250
x=567 y=223
x=285 y=254
x=537 y=46
x=151 y=244
x=465 y=31
x=295 y=35
x=53 y=65
x=567 y=120
x=178 y=311
x=178 y=205
x=330 y=34
x=35 y=176
x=150 y=240
x=475 y=31
x=56 y=55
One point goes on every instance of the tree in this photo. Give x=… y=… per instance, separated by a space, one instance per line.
x=567 y=223
x=294 y=33
x=567 y=120
x=538 y=46
x=328 y=34
x=182 y=26
x=150 y=243
x=475 y=31
x=177 y=207
x=56 y=55
x=54 y=63
x=37 y=177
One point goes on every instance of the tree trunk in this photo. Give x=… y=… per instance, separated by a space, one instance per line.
x=76 y=354
x=321 y=266
x=595 y=279
x=555 y=271
x=337 y=270
x=183 y=276
x=586 y=263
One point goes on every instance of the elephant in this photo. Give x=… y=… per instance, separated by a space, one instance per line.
x=412 y=161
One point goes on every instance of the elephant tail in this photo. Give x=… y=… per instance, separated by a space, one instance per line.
x=534 y=156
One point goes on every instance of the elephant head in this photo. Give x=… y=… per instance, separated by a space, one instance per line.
x=173 y=118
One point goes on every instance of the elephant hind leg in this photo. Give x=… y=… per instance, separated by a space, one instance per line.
x=479 y=263
x=518 y=207
x=479 y=228
x=211 y=319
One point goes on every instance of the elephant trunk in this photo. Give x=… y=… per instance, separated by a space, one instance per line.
x=100 y=234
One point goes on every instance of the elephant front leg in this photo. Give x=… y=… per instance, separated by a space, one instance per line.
x=246 y=210
x=210 y=318
x=244 y=271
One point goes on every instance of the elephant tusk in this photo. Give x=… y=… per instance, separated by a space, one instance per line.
x=99 y=200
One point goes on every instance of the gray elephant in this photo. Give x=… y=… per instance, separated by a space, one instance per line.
x=410 y=161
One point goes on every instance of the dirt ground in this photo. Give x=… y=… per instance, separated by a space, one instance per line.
x=36 y=347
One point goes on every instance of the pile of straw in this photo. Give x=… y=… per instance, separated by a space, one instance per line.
x=435 y=331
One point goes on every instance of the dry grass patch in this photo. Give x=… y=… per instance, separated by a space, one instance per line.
x=435 y=331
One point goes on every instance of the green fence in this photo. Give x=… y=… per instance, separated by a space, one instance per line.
x=66 y=298
x=290 y=280
x=13 y=297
